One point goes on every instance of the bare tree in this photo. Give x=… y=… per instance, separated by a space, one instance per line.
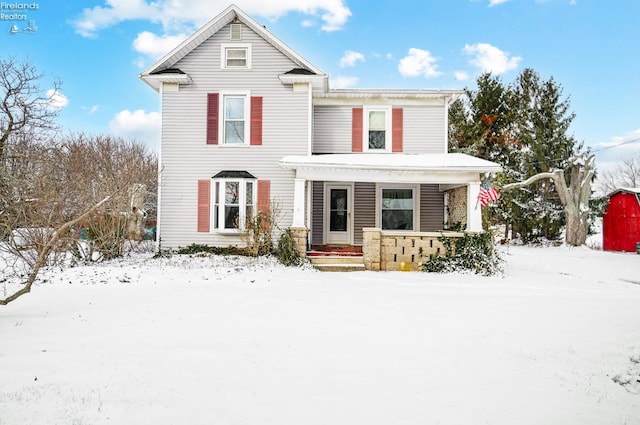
x=624 y=174
x=574 y=196
x=23 y=107
x=66 y=185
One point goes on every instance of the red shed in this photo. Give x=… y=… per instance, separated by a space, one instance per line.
x=621 y=222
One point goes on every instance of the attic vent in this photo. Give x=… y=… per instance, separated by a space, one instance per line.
x=236 y=32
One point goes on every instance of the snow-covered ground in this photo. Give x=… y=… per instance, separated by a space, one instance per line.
x=214 y=340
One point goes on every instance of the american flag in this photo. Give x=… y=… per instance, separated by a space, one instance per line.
x=488 y=193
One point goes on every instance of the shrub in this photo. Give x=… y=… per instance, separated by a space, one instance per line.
x=472 y=252
x=286 y=251
x=215 y=250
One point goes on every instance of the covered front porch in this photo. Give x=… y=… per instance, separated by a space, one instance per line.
x=340 y=198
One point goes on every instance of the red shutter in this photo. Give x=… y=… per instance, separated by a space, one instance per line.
x=256 y=120
x=264 y=195
x=397 y=118
x=356 y=130
x=212 y=118
x=204 y=205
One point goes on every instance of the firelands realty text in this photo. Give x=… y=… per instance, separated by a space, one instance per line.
x=16 y=11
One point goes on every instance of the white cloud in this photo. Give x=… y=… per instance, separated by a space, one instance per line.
x=496 y=2
x=418 y=62
x=350 y=58
x=91 y=109
x=491 y=59
x=156 y=46
x=138 y=125
x=56 y=99
x=342 y=82
x=176 y=15
x=461 y=76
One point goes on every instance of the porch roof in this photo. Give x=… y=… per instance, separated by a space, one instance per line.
x=390 y=167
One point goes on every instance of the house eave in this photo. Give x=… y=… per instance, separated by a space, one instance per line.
x=390 y=94
x=155 y=81
x=227 y=16
x=426 y=168
x=318 y=82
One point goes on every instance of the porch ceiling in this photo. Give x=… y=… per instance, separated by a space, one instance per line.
x=451 y=168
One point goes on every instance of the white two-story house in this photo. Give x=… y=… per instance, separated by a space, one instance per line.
x=247 y=123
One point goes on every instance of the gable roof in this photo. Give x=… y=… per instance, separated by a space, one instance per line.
x=629 y=190
x=230 y=14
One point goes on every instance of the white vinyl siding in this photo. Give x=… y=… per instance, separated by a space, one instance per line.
x=186 y=158
x=423 y=128
x=235 y=56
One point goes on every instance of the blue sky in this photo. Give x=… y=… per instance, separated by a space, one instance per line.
x=97 y=48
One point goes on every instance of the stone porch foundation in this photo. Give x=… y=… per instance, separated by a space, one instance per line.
x=391 y=251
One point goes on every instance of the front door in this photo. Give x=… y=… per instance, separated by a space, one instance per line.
x=338 y=217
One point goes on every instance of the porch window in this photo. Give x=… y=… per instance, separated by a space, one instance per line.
x=234 y=201
x=397 y=208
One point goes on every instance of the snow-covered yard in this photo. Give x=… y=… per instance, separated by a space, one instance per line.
x=214 y=340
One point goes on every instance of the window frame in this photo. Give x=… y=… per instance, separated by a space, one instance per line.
x=246 y=95
x=226 y=47
x=415 y=188
x=219 y=204
x=387 y=109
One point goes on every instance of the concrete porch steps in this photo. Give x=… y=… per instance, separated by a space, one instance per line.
x=337 y=263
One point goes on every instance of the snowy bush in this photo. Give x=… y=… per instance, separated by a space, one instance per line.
x=286 y=251
x=472 y=252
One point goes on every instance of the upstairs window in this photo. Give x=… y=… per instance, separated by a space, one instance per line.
x=234 y=124
x=236 y=56
x=377 y=125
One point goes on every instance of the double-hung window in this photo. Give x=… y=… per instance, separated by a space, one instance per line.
x=377 y=126
x=236 y=56
x=233 y=203
x=235 y=118
x=398 y=208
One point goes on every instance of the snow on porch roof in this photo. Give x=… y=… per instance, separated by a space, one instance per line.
x=447 y=162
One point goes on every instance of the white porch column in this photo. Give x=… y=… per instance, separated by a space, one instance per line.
x=298 y=203
x=474 y=210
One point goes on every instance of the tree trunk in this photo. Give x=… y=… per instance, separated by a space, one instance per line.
x=574 y=197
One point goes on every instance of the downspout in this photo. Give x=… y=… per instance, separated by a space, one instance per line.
x=310 y=120
x=447 y=102
x=159 y=192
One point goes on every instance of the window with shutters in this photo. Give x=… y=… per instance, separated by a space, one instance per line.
x=377 y=129
x=234 y=118
x=233 y=202
x=236 y=56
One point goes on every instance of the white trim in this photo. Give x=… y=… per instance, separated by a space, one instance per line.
x=298 y=203
x=416 y=204
x=474 y=210
x=242 y=205
x=327 y=207
x=224 y=47
x=209 y=29
x=247 y=116
x=387 y=109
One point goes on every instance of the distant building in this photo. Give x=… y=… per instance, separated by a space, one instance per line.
x=621 y=223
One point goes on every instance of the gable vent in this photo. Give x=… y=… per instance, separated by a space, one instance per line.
x=236 y=32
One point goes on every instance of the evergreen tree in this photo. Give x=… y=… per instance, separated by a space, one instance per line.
x=523 y=127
